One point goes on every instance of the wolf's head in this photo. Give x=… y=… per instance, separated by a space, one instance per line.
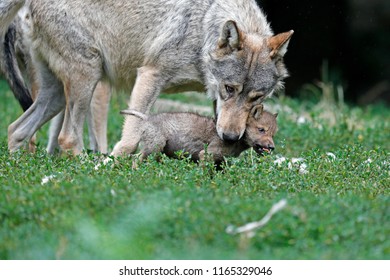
x=245 y=69
x=260 y=129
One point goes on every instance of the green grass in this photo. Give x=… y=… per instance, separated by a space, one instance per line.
x=174 y=209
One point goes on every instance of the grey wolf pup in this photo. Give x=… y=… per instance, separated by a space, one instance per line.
x=18 y=69
x=224 y=46
x=191 y=133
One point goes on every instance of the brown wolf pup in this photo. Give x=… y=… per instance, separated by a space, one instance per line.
x=226 y=46
x=191 y=133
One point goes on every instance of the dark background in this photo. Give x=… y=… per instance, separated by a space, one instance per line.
x=351 y=36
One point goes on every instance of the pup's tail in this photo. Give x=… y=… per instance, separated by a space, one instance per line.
x=8 y=11
x=11 y=69
x=134 y=113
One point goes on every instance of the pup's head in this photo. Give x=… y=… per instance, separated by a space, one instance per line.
x=260 y=129
x=244 y=70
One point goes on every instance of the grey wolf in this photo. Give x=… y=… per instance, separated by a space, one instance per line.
x=224 y=46
x=17 y=66
x=191 y=133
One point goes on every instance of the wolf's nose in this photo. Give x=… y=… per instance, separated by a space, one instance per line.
x=229 y=137
x=271 y=147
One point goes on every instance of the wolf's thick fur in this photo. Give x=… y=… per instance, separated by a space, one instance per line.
x=8 y=9
x=190 y=132
x=226 y=45
x=17 y=66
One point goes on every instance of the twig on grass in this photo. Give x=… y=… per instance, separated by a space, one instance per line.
x=249 y=229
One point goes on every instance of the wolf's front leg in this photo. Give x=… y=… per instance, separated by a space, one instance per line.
x=147 y=87
x=78 y=94
x=54 y=131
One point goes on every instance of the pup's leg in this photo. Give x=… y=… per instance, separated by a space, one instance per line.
x=146 y=89
x=148 y=150
x=154 y=143
x=97 y=118
x=54 y=131
x=215 y=150
x=48 y=103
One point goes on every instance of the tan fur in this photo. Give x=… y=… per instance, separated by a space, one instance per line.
x=230 y=111
x=277 y=43
x=191 y=133
x=81 y=42
x=97 y=115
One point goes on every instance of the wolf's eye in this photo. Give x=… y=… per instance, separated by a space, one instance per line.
x=229 y=89
x=261 y=130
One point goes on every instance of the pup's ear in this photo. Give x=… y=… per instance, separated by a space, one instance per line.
x=278 y=44
x=230 y=36
x=257 y=111
x=276 y=115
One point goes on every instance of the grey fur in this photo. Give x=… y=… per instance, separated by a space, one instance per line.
x=191 y=133
x=135 y=113
x=8 y=9
x=17 y=66
x=155 y=45
x=9 y=67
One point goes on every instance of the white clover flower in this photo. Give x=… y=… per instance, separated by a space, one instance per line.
x=303 y=169
x=332 y=156
x=280 y=160
x=297 y=160
x=368 y=161
x=298 y=163
x=294 y=163
x=301 y=120
x=47 y=179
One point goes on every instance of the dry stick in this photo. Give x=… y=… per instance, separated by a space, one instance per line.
x=249 y=229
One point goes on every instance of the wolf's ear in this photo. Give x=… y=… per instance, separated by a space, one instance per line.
x=257 y=111
x=276 y=115
x=278 y=44
x=230 y=36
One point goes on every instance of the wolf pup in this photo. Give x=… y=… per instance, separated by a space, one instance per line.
x=227 y=46
x=191 y=133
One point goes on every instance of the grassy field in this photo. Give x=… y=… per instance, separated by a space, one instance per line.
x=338 y=203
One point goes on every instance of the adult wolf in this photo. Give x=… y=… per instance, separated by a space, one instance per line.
x=18 y=69
x=225 y=45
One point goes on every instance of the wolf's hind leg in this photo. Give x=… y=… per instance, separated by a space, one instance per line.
x=48 y=103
